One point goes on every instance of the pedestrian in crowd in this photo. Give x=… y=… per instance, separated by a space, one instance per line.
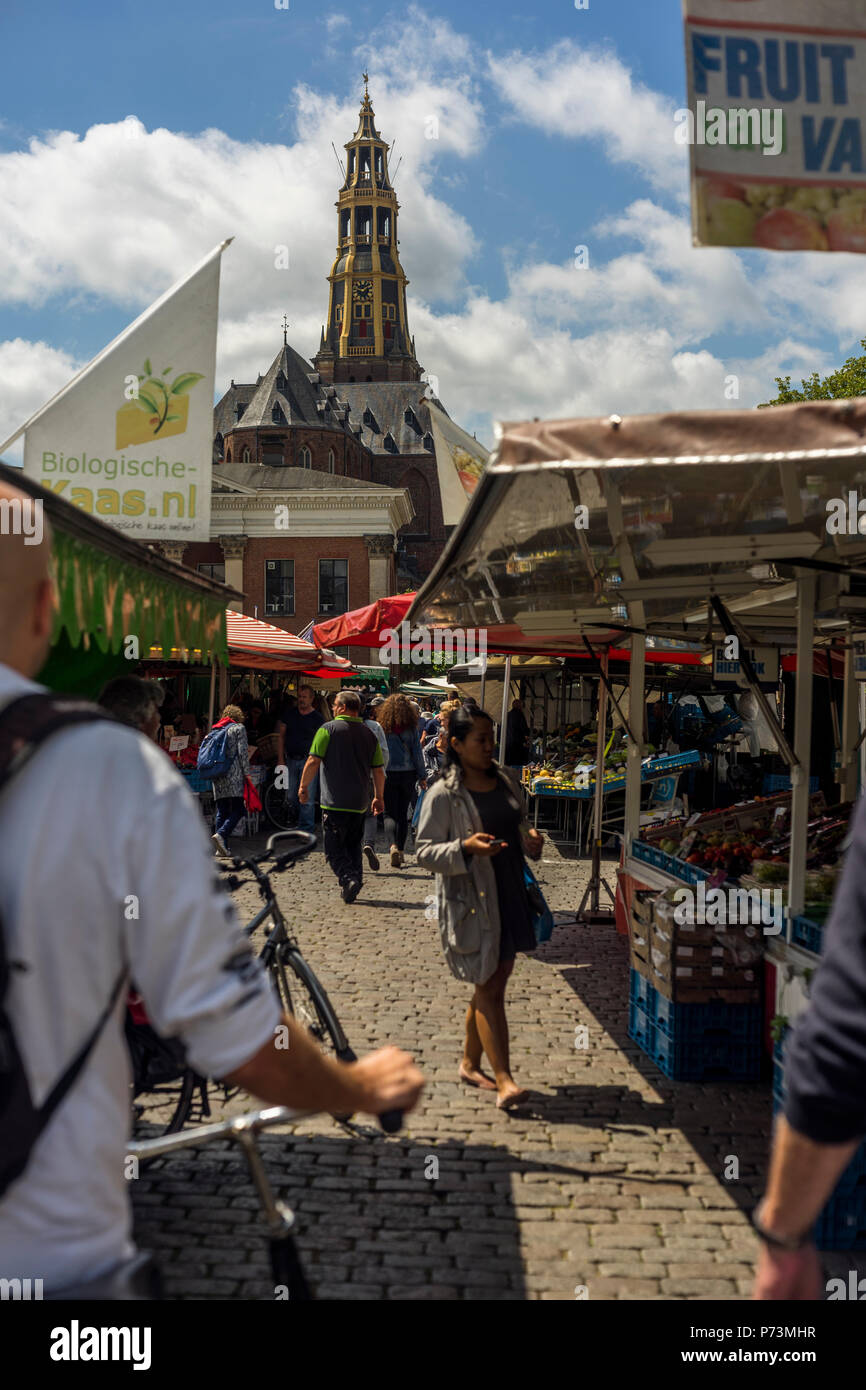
x=296 y=729
x=64 y=879
x=473 y=836
x=446 y=709
x=347 y=754
x=405 y=767
x=370 y=821
x=517 y=738
x=229 y=790
x=135 y=702
x=434 y=756
x=824 y=1119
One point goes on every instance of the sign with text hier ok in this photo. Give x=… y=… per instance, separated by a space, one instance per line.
x=775 y=123
x=130 y=438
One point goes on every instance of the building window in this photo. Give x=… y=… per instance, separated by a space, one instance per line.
x=277 y=416
x=339 y=313
x=428 y=443
x=239 y=410
x=219 y=445
x=333 y=586
x=411 y=419
x=305 y=458
x=332 y=462
x=279 y=588
x=363 y=311
x=389 y=443
x=370 y=421
x=281 y=382
x=215 y=569
x=390 y=311
x=245 y=456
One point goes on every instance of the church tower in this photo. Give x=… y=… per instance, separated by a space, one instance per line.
x=367 y=334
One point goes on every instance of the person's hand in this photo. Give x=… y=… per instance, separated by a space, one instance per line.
x=376 y=807
x=483 y=844
x=388 y=1080
x=534 y=844
x=303 y=795
x=791 y=1276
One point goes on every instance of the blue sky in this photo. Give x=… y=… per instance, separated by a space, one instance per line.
x=555 y=130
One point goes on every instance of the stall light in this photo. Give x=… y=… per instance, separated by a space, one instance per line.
x=731 y=549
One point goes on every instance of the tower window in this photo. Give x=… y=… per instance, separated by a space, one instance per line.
x=245 y=456
x=219 y=444
x=305 y=458
x=239 y=410
x=370 y=421
x=277 y=416
x=332 y=463
x=389 y=443
x=428 y=443
x=281 y=382
x=411 y=419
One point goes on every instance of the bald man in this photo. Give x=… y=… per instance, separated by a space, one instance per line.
x=87 y=902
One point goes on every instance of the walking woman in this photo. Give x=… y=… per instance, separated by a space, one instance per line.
x=229 y=790
x=405 y=767
x=472 y=835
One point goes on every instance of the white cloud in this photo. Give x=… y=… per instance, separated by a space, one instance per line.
x=571 y=91
x=31 y=374
x=335 y=22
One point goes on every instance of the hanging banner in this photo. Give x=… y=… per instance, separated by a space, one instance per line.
x=775 y=124
x=460 y=461
x=129 y=439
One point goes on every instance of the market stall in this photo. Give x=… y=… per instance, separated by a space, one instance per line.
x=712 y=529
x=116 y=598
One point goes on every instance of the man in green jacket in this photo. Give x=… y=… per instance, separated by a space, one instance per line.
x=345 y=752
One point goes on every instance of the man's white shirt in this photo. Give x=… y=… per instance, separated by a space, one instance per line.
x=104 y=864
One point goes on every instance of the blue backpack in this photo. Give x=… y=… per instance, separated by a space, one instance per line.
x=214 y=756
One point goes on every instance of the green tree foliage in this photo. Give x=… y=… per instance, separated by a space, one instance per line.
x=849 y=380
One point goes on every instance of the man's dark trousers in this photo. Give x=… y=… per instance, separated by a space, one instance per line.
x=344 y=836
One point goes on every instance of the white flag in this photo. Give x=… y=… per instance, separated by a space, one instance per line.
x=130 y=438
x=460 y=461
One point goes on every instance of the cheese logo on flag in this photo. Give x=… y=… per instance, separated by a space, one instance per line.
x=158 y=408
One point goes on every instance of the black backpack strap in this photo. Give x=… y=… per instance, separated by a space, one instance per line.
x=25 y=723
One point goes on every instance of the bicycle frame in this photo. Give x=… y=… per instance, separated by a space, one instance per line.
x=244 y=1130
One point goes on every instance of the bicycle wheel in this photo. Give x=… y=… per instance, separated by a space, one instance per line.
x=162 y=1086
x=305 y=999
x=277 y=808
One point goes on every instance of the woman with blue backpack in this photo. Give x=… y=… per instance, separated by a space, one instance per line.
x=224 y=759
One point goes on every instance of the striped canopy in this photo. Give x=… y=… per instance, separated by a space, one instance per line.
x=265 y=647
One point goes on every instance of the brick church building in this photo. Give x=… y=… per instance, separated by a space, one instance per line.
x=325 y=483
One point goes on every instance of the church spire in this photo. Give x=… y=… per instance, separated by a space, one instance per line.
x=367 y=334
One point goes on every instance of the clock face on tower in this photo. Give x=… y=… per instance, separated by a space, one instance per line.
x=362 y=291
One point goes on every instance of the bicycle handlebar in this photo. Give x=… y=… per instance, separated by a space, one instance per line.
x=253 y=1122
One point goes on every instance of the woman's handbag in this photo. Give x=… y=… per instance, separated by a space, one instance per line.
x=542 y=917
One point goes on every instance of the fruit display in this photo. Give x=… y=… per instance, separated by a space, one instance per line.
x=781 y=217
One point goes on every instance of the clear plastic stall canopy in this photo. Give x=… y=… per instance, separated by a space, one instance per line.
x=577 y=521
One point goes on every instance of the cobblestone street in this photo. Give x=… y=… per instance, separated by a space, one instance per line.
x=611 y=1178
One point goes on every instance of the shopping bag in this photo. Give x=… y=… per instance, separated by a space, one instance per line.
x=252 y=800
x=542 y=917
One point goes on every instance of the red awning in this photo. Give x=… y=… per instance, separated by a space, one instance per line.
x=362 y=627
x=263 y=647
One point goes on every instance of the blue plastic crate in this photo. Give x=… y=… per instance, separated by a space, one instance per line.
x=641 y=1028
x=777 y=782
x=808 y=934
x=742 y=1022
x=686 y=873
x=725 y=1059
x=195 y=781
x=642 y=993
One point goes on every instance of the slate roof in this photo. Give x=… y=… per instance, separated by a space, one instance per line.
x=260 y=478
x=388 y=402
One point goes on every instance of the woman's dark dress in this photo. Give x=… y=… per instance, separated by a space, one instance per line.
x=502 y=820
